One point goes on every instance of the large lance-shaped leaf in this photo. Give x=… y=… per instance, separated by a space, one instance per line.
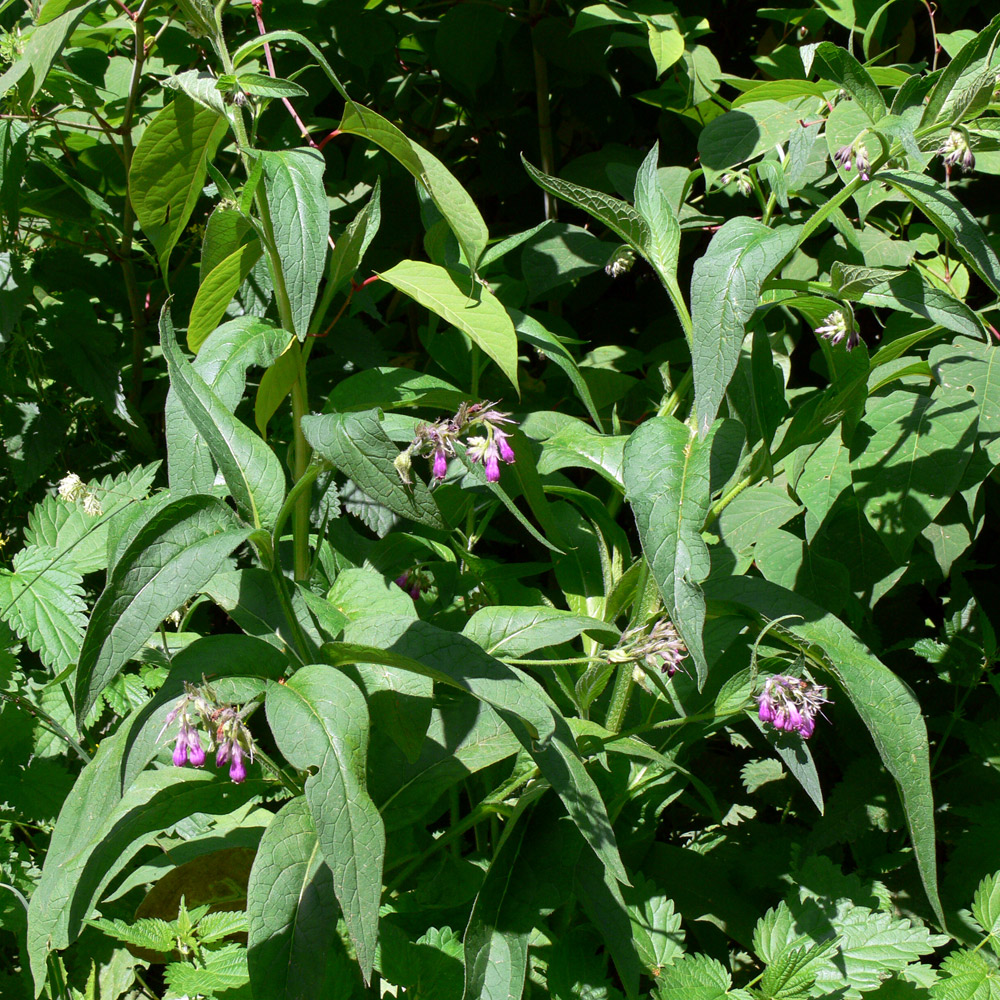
x=216 y=291
x=251 y=470
x=843 y=68
x=967 y=82
x=885 y=704
x=68 y=891
x=300 y=217
x=667 y=472
x=168 y=169
x=912 y=448
x=652 y=203
x=172 y=556
x=515 y=631
x=463 y=302
x=969 y=365
x=357 y=445
x=725 y=290
x=293 y=949
x=320 y=719
x=952 y=219
x=451 y=199
x=518 y=698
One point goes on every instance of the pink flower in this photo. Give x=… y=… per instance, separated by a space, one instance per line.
x=440 y=464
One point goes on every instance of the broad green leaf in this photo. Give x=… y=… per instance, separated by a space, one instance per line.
x=393 y=389
x=107 y=840
x=451 y=199
x=952 y=219
x=513 y=632
x=694 y=977
x=667 y=469
x=986 y=908
x=169 y=167
x=652 y=203
x=968 y=365
x=463 y=302
x=782 y=90
x=319 y=719
x=967 y=975
x=912 y=292
x=885 y=704
x=725 y=291
x=222 y=362
x=262 y=85
x=966 y=84
x=519 y=700
x=357 y=445
x=275 y=384
x=300 y=217
x=170 y=558
x=200 y=86
x=666 y=45
x=826 y=473
x=656 y=928
x=853 y=77
x=217 y=290
x=226 y=231
x=42 y=601
x=251 y=470
x=740 y=135
x=293 y=949
x=908 y=456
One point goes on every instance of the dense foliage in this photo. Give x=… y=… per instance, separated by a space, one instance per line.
x=499 y=500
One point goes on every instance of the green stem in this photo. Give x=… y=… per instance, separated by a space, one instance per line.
x=556 y=663
x=674 y=400
x=46 y=720
x=620 y=698
x=304 y=482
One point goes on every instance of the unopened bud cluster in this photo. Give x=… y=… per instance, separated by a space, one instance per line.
x=659 y=648
x=835 y=328
x=73 y=489
x=741 y=179
x=437 y=441
x=413 y=582
x=791 y=704
x=854 y=153
x=224 y=730
x=620 y=262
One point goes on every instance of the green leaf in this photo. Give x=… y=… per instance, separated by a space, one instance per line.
x=216 y=291
x=319 y=719
x=251 y=470
x=350 y=247
x=451 y=199
x=656 y=928
x=843 y=68
x=667 y=468
x=911 y=291
x=519 y=700
x=42 y=601
x=951 y=218
x=694 y=977
x=107 y=841
x=463 y=302
x=986 y=907
x=885 y=704
x=300 y=217
x=967 y=365
x=967 y=975
x=226 y=231
x=908 y=456
x=741 y=135
x=512 y=632
x=666 y=45
x=224 y=971
x=967 y=82
x=393 y=389
x=652 y=203
x=169 y=559
x=293 y=949
x=261 y=85
x=169 y=167
x=275 y=384
x=357 y=445
x=725 y=291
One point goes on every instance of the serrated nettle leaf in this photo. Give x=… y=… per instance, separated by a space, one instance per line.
x=359 y=447
x=667 y=471
x=175 y=553
x=169 y=167
x=300 y=218
x=516 y=697
x=725 y=290
x=986 y=907
x=885 y=704
x=251 y=470
x=451 y=199
x=319 y=719
x=464 y=303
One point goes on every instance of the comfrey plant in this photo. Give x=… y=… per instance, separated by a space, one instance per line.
x=437 y=441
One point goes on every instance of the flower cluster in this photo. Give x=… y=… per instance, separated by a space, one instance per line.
x=437 y=441
x=834 y=329
x=413 y=582
x=73 y=489
x=659 y=647
x=853 y=152
x=957 y=151
x=620 y=262
x=742 y=181
x=791 y=704
x=226 y=732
